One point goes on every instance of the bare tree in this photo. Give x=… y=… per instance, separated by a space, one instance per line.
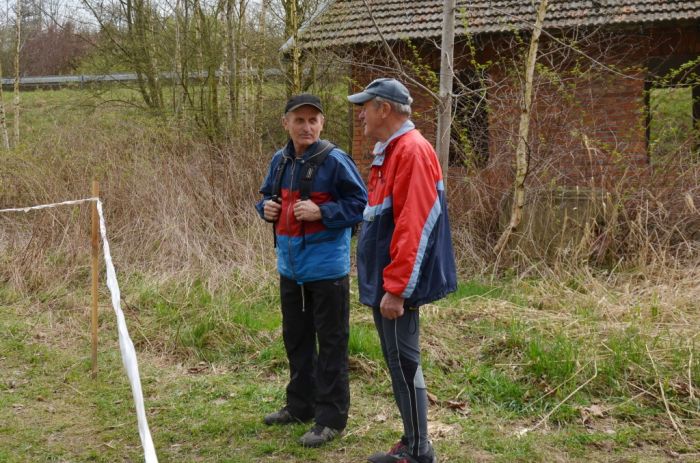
x=178 y=77
x=3 y=119
x=291 y=30
x=234 y=25
x=231 y=61
x=262 y=60
x=141 y=37
x=521 y=154
x=18 y=49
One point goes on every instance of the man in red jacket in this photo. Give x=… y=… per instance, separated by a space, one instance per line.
x=404 y=253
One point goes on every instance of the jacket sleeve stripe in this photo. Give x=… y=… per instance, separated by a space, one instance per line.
x=372 y=211
x=425 y=235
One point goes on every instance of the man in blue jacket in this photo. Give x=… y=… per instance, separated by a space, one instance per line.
x=314 y=195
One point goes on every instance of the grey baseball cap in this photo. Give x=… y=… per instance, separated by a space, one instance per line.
x=388 y=88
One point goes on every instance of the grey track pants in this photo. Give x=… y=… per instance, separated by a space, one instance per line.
x=400 y=339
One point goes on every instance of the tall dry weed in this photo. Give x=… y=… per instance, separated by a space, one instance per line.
x=178 y=206
x=643 y=225
x=175 y=206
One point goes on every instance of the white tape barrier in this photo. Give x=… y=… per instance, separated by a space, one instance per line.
x=46 y=206
x=126 y=346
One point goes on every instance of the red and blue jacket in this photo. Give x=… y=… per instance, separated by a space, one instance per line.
x=318 y=250
x=405 y=247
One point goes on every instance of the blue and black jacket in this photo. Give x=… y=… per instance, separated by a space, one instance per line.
x=317 y=250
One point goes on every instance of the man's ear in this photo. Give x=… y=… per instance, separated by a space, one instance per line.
x=386 y=109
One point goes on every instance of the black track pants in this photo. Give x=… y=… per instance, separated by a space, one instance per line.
x=317 y=313
x=400 y=339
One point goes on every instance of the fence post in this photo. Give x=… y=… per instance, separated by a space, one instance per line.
x=95 y=273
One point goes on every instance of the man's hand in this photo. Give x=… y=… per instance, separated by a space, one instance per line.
x=307 y=211
x=271 y=210
x=391 y=306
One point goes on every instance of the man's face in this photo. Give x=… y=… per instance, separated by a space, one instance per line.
x=304 y=126
x=372 y=118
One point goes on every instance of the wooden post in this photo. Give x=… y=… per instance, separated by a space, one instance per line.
x=95 y=273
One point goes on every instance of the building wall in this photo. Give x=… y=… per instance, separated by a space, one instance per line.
x=588 y=126
x=369 y=66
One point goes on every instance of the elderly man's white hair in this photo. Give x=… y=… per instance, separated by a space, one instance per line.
x=404 y=109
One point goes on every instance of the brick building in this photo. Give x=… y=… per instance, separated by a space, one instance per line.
x=598 y=62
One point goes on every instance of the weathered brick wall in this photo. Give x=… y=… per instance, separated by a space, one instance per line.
x=588 y=125
x=585 y=129
x=370 y=64
x=588 y=116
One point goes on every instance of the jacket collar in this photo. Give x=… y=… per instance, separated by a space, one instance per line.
x=291 y=154
x=380 y=147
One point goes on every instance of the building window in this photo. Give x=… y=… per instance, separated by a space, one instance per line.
x=470 y=126
x=672 y=124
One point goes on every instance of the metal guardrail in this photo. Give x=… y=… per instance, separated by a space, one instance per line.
x=55 y=81
x=62 y=80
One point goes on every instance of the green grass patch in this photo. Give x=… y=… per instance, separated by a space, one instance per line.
x=213 y=363
x=364 y=342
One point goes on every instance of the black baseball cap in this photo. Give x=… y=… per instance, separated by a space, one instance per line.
x=388 y=88
x=304 y=99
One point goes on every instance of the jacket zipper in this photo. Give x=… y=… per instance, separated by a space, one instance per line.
x=289 y=242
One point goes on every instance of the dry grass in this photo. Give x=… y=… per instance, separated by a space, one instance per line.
x=175 y=206
x=181 y=207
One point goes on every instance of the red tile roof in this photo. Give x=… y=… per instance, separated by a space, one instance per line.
x=345 y=22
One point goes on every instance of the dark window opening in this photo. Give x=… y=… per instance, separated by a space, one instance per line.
x=469 y=145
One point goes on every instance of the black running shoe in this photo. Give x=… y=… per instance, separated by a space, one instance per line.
x=403 y=456
x=281 y=416
x=397 y=448
x=318 y=435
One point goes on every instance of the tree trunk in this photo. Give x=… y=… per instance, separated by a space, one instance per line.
x=446 y=77
x=152 y=56
x=141 y=37
x=177 y=60
x=262 y=64
x=185 y=61
x=147 y=38
x=131 y=15
x=240 y=57
x=231 y=63
x=209 y=62
x=522 y=150
x=292 y=30
x=18 y=47
x=3 y=118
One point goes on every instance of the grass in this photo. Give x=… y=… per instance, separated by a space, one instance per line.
x=209 y=373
